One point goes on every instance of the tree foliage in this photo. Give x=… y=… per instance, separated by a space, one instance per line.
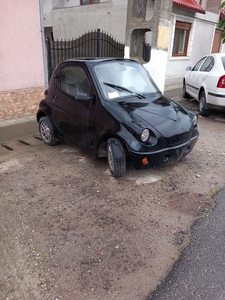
x=221 y=23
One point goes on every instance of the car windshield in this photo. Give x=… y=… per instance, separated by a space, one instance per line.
x=124 y=78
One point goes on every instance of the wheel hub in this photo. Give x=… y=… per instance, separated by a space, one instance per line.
x=110 y=158
x=45 y=131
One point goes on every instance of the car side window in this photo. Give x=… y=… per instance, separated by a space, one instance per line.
x=208 y=64
x=74 y=80
x=223 y=61
x=198 y=65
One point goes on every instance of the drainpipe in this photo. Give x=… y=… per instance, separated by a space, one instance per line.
x=43 y=42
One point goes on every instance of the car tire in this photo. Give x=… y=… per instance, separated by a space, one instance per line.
x=204 y=110
x=184 y=93
x=116 y=157
x=46 y=131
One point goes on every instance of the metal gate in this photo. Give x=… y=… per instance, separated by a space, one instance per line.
x=91 y=44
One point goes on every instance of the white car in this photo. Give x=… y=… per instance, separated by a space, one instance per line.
x=205 y=82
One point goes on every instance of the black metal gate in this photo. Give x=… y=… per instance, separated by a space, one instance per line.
x=91 y=44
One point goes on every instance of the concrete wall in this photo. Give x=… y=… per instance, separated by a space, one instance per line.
x=149 y=21
x=73 y=21
x=213 y=6
x=157 y=67
x=203 y=3
x=21 y=58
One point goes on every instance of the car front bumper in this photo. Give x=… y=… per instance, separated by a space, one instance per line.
x=157 y=159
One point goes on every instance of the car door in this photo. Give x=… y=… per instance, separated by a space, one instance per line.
x=207 y=79
x=205 y=70
x=194 y=78
x=74 y=108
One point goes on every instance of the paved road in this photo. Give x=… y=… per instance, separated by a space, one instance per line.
x=200 y=272
x=17 y=128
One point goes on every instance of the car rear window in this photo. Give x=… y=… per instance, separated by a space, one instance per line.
x=223 y=61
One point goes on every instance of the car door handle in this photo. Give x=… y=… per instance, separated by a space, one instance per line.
x=53 y=99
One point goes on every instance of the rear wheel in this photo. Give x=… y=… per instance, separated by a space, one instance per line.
x=116 y=157
x=204 y=110
x=46 y=131
x=184 y=93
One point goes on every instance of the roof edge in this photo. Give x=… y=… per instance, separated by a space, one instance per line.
x=195 y=8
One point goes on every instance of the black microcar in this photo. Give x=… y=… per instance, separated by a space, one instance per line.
x=112 y=108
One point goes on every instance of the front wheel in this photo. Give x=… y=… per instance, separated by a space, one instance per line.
x=204 y=110
x=116 y=157
x=46 y=131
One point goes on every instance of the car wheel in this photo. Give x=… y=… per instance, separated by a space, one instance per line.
x=46 y=131
x=116 y=157
x=184 y=93
x=204 y=110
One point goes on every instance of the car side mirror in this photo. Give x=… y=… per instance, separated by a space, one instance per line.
x=189 y=68
x=84 y=97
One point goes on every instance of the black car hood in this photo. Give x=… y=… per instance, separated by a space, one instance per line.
x=163 y=115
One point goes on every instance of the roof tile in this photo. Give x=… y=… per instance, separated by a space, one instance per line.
x=190 y=5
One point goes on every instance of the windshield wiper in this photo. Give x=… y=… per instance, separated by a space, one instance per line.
x=122 y=89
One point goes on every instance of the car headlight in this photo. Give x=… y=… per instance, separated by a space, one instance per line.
x=145 y=135
x=194 y=120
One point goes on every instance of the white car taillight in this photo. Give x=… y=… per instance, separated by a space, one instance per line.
x=221 y=82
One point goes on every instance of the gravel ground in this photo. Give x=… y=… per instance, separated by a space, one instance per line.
x=71 y=231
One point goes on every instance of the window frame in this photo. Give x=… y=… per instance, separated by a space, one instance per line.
x=182 y=26
x=208 y=64
x=90 y=2
x=198 y=65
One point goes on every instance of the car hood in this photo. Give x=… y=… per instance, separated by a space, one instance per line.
x=167 y=117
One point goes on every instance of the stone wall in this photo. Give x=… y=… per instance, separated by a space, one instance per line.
x=20 y=103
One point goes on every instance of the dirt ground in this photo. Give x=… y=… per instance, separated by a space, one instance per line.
x=71 y=231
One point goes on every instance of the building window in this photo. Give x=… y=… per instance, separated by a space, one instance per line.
x=87 y=2
x=181 y=37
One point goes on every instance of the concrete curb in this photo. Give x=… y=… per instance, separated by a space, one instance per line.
x=5 y=123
